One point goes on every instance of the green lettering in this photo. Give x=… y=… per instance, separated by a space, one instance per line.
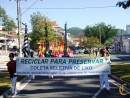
x=74 y=61
x=22 y=61
x=89 y=61
x=56 y=61
x=29 y=61
x=85 y=61
x=81 y=62
x=52 y=61
x=46 y=61
x=60 y=61
x=93 y=61
x=78 y=61
x=35 y=62
x=70 y=61
x=101 y=61
x=97 y=61
x=26 y=61
x=64 y=61
x=43 y=61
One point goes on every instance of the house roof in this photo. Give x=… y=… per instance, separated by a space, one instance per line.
x=53 y=23
x=76 y=39
x=59 y=29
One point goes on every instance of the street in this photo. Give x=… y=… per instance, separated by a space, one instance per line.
x=120 y=58
x=68 y=87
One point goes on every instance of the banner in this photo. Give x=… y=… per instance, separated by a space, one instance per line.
x=62 y=66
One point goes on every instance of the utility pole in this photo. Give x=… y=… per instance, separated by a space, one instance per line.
x=19 y=22
x=19 y=26
x=46 y=38
x=56 y=36
x=100 y=34
x=5 y=44
x=121 y=42
x=65 y=40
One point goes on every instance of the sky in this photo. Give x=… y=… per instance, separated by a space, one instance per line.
x=77 y=13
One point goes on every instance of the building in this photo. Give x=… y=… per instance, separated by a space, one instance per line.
x=1 y=27
x=122 y=44
x=9 y=40
x=60 y=31
x=128 y=29
x=15 y=31
x=76 y=41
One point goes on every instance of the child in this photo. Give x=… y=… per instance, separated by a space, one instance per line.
x=11 y=66
x=104 y=77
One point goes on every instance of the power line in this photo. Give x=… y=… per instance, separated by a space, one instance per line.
x=76 y=8
x=30 y=6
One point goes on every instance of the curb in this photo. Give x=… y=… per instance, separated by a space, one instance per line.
x=19 y=85
x=119 y=80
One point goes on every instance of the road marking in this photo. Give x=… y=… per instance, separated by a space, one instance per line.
x=21 y=87
x=114 y=82
x=97 y=93
x=118 y=85
x=110 y=80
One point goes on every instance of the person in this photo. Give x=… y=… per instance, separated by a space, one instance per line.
x=104 y=77
x=11 y=66
x=96 y=51
x=31 y=53
x=66 y=55
x=102 y=52
x=107 y=51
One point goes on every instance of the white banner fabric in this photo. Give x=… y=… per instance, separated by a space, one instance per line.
x=62 y=66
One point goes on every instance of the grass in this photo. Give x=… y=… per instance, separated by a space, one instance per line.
x=5 y=82
x=87 y=56
x=121 y=70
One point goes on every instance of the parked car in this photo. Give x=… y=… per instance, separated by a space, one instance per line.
x=87 y=52
x=75 y=52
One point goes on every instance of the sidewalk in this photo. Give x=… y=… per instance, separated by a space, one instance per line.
x=3 y=60
x=19 y=85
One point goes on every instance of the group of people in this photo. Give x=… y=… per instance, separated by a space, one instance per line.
x=51 y=53
x=11 y=65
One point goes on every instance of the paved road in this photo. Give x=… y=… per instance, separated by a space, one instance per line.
x=67 y=87
x=120 y=58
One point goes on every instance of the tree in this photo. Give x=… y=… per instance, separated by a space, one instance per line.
x=90 y=42
x=124 y=4
x=105 y=31
x=38 y=22
x=75 y=31
x=8 y=23
x=2 y=14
